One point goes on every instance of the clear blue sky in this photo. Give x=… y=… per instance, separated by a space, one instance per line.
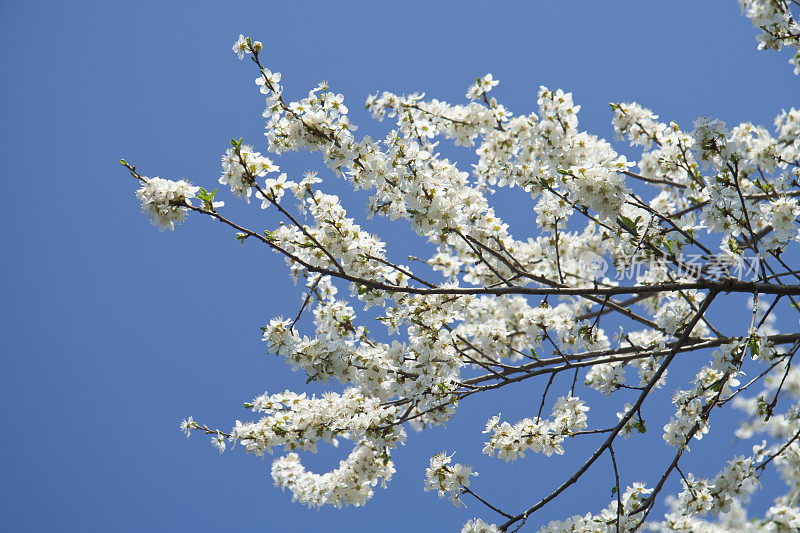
x=113 y=332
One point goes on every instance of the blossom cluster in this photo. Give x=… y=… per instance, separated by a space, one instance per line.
x=165 y=201
x=778 y=26
x=448 y=479
x=299 y=423
x=510 y=442
x=608 y=519
x=349 y=484
x=477 y=525
x=241 y=166
x=713 y=382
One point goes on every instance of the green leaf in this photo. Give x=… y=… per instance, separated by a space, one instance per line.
x=754 y=346
x=614 y=490
x=206 y=197
x=629 y=224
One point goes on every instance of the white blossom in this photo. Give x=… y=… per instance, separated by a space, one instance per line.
x=448 y=479
x=240 y=47
x=477 y=525
x=240 y=168
x=165 y=201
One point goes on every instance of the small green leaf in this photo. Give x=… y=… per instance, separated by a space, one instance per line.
x=205 y=196
x=629 y=224
x=754 y=346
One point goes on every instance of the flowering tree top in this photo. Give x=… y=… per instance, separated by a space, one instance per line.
x=617 y=282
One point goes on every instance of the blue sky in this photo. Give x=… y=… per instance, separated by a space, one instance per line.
x=113 y=332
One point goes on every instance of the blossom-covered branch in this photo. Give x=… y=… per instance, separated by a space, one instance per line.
x=614 y=283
